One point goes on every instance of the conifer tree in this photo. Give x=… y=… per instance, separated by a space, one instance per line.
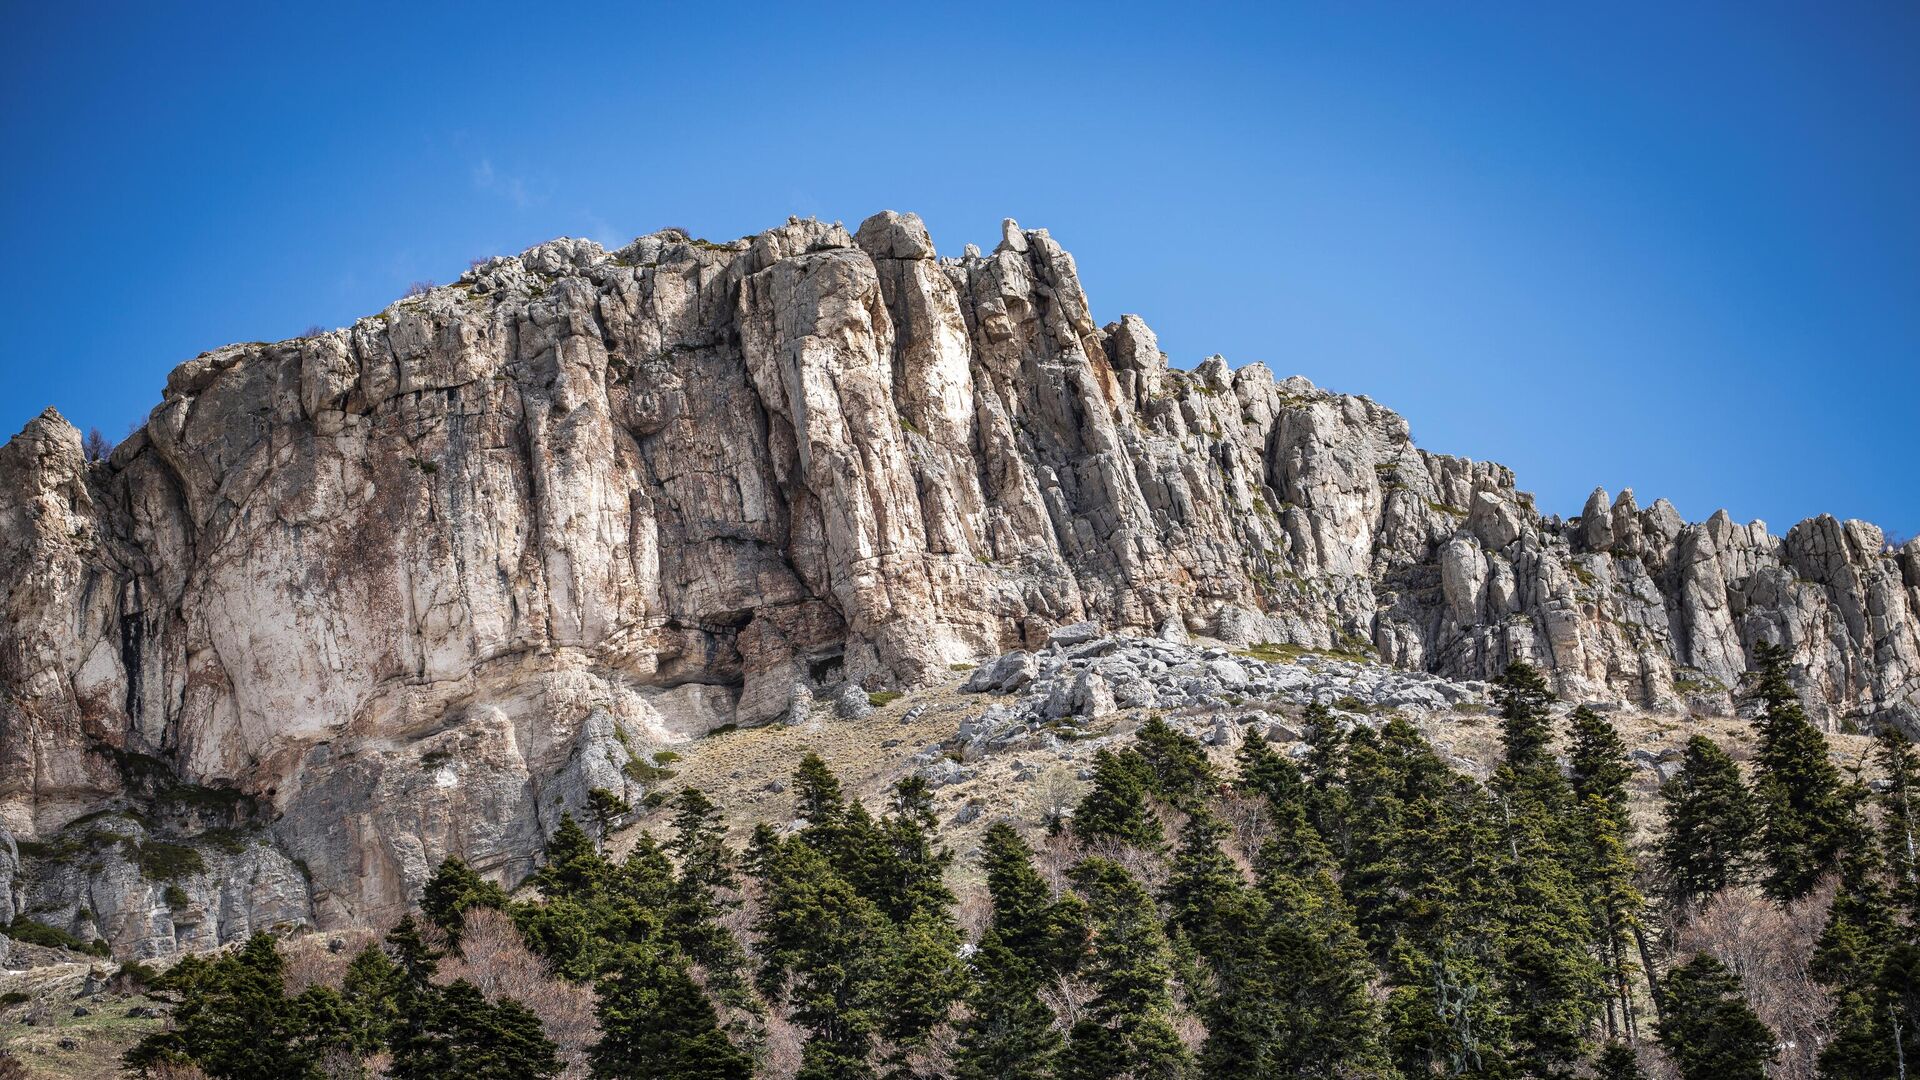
x=1710 y=820
x=1524 y=697
x=1900 y=818
x=1606 y=878
x=1707 y=1028
x=1806 y=817
x=1116 y=805
x=459 y=1033
x=1009 y=1034
x=1176 y=765
x=1849 y=959
x=824 y=950
x=655 y=1024
x=1600 y=766
x=371 y=987
x=235 y=1021
x=452 y=891
x=1617 y=1061
x=1127 y=1029
x=1328 y=800
x=1204 y=885
x=1044 y=934
x=702 y=893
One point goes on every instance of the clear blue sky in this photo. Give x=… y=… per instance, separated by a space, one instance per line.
x=1675 y=247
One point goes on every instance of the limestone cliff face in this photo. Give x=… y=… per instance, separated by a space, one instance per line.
x=417 y=586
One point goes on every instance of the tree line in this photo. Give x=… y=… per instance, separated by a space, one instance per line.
x=1360 y=910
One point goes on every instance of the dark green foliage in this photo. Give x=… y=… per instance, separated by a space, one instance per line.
x=1806 y=816
x=1525 y=730
x=1710 y=821
x=823 y=951
x=452 y=891
x=235 y=1021
x=1044 y=935
x=1115 y=808
x=52 y=937
x=655 y=1024
x=607 y=807
x=1009 y=1034
x=1708 y=1029
x=162 y=861
x=456 y=1032
x=1900 y=819
x=1599 y=764
x=1177 y=769
x=1617 y=1061
x=1127 y=1028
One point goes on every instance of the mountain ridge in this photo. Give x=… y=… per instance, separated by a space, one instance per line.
x=418 y=585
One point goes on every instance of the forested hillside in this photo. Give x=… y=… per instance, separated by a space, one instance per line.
x=1359 y=909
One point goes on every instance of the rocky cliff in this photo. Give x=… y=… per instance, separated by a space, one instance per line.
x=413 y=588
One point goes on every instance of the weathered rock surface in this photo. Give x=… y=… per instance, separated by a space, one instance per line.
x=420 y=584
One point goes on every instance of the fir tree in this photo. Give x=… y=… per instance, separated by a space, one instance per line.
x=1708 y=1029
x=1116 y=806
x=702 y=893
x=235 y=1021
x=371 y=987
x=1599 y=761
x=1806 y=817
x=1524 y=697
x=1177 y=769
x=1710 y=820
x=1849 y=959
x=824 y=950
x=655 y=1024
x=1127 y=1028
x=459 y=1033
x=1044 y=934
x=1900 y=818
x=452 y=891
x=1009 y=1034
x=1617 y=1061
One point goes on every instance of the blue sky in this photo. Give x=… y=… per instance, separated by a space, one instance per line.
x=1673 y=247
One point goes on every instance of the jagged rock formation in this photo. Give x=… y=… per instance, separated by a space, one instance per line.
x=420 y=584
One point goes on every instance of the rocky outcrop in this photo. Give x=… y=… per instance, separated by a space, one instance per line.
x=421 y=584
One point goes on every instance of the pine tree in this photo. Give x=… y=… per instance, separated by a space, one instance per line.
x=1127 y=1029
x=1708 y=1029
x=1806 y=817
x=1710 y=821
x=1328 y=800
x=452 y=891
x=1009 y=1033
x=817 y=795
x=1116 y=806
x=655 y=1024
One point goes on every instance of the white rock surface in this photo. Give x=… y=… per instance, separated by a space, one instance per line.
x=667 y=485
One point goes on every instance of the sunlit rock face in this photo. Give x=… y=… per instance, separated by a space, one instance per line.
x=420 y=585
